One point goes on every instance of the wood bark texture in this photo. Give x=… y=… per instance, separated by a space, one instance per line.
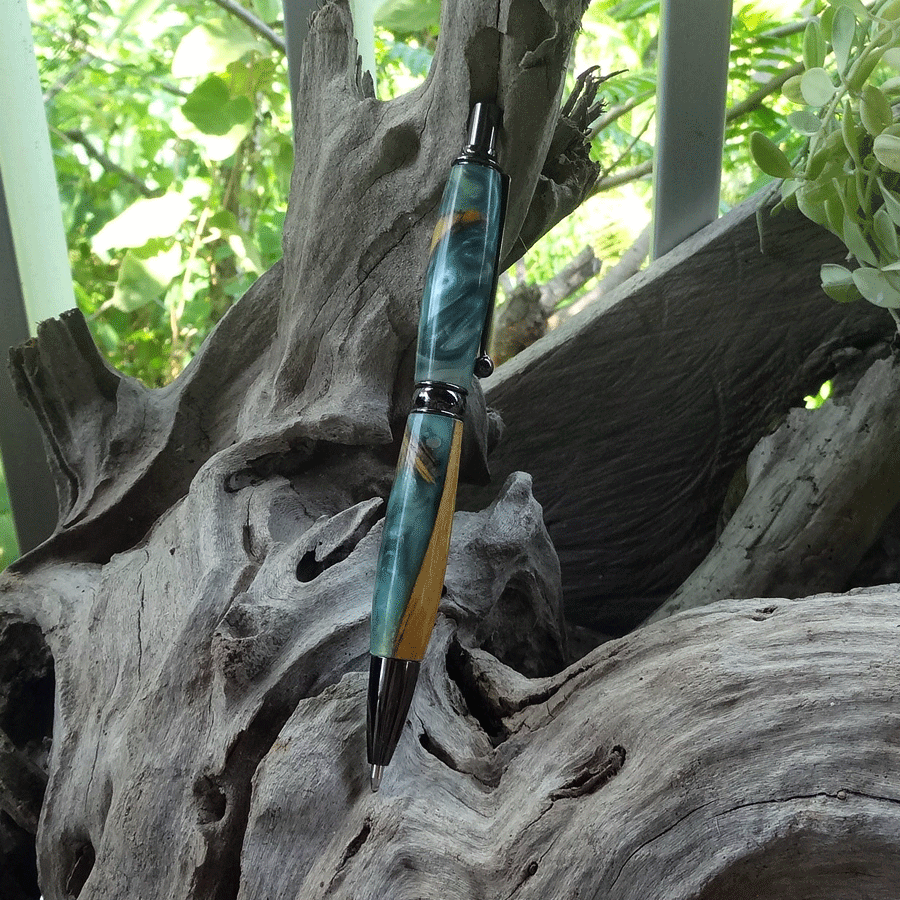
x=182 y=663
x=633 y=415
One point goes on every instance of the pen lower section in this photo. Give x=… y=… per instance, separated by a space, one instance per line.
x=391 y=686
x=416 y=538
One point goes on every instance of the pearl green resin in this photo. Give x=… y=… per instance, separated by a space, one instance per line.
x=409 y=522
x=459 y=282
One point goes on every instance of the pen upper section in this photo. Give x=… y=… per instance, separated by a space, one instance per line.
x=459 y=282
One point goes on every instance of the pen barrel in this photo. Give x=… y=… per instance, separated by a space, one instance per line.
x=461 y=274
x=416 y=536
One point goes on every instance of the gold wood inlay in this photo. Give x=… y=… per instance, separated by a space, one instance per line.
x=421 y=611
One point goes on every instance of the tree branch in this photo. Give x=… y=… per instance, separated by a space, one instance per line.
x=77 y=136
x=747 y=105
x=253 y=22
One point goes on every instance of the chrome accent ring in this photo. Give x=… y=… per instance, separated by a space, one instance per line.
x=438 y=397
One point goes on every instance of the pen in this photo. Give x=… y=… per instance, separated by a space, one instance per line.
x=460 y=284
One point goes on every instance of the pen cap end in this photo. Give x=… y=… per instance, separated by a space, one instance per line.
x=484 y=123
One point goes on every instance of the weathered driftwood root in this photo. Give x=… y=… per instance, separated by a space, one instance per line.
x=179 y=662
x=738 y=752
x=819 y=490
x=212 y=745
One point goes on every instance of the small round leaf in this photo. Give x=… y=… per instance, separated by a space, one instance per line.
x=876 y=288
x=768 y=157
x=838 y=283
x=874 y=110
x=886 y=148
x=816 y=86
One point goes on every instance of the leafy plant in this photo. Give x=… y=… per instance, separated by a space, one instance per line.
x=9 y=548
x=847 y=176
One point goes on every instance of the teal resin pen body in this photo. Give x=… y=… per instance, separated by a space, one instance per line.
x=460 y=283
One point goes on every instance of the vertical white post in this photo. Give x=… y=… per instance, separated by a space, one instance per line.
x=35 y=278
x=694 y=44
x=28 y=174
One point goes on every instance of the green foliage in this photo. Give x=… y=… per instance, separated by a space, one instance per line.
x=171 y=131
x=172 y=144
x=9 y=548
x=847 y=175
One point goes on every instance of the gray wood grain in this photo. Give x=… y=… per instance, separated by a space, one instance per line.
x=206 y=594
x=820 y=489
x=633 y=416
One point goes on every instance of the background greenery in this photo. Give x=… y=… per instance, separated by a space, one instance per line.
x=171 y=135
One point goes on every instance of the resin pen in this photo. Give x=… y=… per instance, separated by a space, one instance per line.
x=460 y=284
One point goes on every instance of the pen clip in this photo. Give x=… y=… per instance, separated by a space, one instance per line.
x=484 y=365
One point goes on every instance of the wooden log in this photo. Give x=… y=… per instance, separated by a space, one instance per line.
x=633 y=416
x=820 y=489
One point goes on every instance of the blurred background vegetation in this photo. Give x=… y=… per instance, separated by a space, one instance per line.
x=170 y=127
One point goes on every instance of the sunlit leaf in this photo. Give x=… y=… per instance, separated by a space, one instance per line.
x=874 y=286
x=143 y=220
x=816 y=86
x=408 y=16
x=143 y=281
x=210 y=47
x=886 y=148
x=212 y=109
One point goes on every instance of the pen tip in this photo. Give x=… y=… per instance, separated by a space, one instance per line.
x=375 y=777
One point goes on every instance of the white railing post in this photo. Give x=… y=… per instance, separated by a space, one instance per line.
x=35 y=273
x=694 y=44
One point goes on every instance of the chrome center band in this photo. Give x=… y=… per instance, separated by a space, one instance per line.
x=438 y=397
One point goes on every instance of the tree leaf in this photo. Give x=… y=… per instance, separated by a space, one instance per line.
x=205 y=106
x=768 y=157
x=804 y=121
x=874 y=286
x=837 y=282
x=816 y=86
x=143 y=220
x=210 y=47
x=874 y=110
x=843 y=31
x=142 y=281
x=408 y=16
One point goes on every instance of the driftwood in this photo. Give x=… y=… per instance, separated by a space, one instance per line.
x=633 y=416
x=182 y=662
x=819 y=490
